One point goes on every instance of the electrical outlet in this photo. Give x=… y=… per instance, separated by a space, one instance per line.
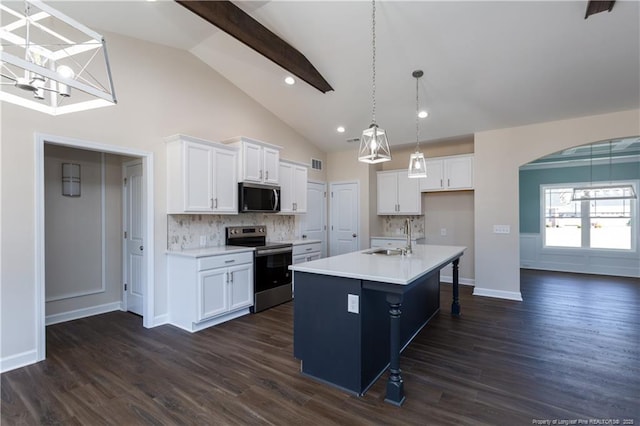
x=443 y=232
x=501 y=229
x=203 y=240
x=353 y=303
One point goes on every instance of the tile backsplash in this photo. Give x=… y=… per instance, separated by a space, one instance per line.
x=184 y=230
x=393 y=226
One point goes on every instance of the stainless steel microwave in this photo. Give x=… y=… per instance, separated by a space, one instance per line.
x=253 y=197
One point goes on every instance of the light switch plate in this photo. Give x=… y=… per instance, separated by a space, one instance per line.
x=353 y=303
x=501 y=229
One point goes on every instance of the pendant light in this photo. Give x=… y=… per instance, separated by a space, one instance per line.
x=417 y=165
x=603 y=192
x=374 y=147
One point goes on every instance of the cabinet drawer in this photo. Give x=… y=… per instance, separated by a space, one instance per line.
x=306 y=248
x=224 y=260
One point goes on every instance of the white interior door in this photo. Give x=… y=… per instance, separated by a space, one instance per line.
x=133 y=236
x=314 y=223
x=344 y=218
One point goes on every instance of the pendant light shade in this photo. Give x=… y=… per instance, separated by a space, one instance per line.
x=417 y=164
x=374 y=146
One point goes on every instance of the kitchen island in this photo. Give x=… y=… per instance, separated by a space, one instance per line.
x=355 y=313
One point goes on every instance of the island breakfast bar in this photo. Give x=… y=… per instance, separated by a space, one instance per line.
x=354 y=313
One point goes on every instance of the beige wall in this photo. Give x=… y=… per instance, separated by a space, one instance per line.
x=498 y=156
x=73 y=232
x=161 y=91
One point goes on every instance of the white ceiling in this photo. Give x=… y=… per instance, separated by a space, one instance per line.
x=487 y=65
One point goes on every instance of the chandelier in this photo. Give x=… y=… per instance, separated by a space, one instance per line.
x=374 y=146
x=51 y=63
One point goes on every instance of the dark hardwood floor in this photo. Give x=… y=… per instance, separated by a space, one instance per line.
x=569 y=352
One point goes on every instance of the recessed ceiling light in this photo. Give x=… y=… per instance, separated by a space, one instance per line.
x=340 y=129
x=289 y=80
x=423 y=114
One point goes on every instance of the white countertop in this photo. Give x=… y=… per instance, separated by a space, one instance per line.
x=209 y=251
x=396 y=269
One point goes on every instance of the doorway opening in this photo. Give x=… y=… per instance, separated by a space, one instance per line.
x=97 y=158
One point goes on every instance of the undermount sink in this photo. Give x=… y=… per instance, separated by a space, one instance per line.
x=385 y=251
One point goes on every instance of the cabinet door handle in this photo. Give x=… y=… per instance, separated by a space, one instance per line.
x=440 y=183
x=260 y=174
x=309 y=249
x=215 y=203
x=231 y=274
x=266 y=175
x=211 y=202
x=448 y=182
x=229 y=261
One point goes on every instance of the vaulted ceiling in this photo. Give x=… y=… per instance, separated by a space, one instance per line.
x=487 y=65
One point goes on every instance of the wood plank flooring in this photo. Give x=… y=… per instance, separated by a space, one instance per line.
x=569 y=352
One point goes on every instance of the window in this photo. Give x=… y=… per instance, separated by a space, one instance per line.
x=601 y=224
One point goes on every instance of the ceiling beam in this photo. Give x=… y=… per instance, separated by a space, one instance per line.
x=235 y=22
x=597 y=6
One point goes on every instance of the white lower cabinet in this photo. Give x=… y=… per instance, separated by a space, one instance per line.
x=205 y=291
x=306 y=252
x=390 y=242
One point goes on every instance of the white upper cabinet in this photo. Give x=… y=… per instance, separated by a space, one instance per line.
x=448 y=174
x=200 y=176
x=259 y=162
x=293 y=187
x=398 y=194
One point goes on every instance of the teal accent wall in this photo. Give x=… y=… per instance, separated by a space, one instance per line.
x=530 y=181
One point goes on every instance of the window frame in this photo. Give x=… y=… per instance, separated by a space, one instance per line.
x=585 y=217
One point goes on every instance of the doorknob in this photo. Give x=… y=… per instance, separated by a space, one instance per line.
x=354 y=235
x=141 y=248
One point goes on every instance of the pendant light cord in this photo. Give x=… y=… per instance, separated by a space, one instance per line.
x=373 y=66
x=417 y=110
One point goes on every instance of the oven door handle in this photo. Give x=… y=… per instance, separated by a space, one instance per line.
x=274 y=251
x=275 y=198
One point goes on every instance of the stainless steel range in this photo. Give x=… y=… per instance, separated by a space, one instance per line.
x=271 y=274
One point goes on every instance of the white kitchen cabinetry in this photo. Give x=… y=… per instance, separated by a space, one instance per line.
x=448 y=174
x=205 y=291
x=293 y=187
x=390 y=242
x=398 y=194
x=306 y=252
x=200 y=176
x=259 y=162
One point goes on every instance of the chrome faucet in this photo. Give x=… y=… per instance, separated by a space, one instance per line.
x=408 y=249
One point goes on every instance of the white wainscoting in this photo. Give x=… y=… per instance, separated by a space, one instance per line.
x=588 y=261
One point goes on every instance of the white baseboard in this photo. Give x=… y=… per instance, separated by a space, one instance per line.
x=19 y=360
x=499 y=294
x=161 y=320
x=82 y=313
x=461 y=281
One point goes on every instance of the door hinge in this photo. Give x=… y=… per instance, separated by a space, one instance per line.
x=331 y=194
x=125 y=181
x=325 y=194
x=125 y=286
x=125 y=235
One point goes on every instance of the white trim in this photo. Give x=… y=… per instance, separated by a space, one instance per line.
x=161 y=320
x=461 y=281
x=82 y=313
x=148 y=199
x=18 y=360
x=499 y=294
x=103 y=245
